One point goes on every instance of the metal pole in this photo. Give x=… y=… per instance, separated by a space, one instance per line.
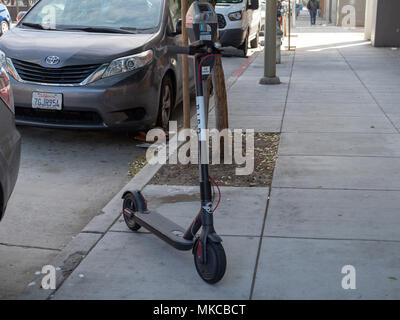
x=185 y=69
x=270 y=44
x=294 y=14
x=220 y=97
x=289 y=13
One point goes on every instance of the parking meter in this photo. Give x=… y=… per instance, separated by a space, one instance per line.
x=201 y=22
x=202 y=27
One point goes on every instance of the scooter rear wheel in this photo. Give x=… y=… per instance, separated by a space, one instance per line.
x=214 y=269
x=130 y=203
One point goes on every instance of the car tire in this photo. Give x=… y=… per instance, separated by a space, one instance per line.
x=166 y=103
x=256 y=40
x=4 y=27
x=245 y=45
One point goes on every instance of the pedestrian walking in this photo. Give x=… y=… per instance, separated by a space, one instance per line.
x=279 y=14
x=313 y=6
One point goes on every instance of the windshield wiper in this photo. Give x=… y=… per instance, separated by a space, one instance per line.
x=34 y=25
x=99 y=29
x=137 y=29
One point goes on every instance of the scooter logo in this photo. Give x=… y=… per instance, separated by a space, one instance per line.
x=208 y=207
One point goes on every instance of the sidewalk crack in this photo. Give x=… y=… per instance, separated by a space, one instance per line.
x=27 y=247
x=369 y=91
x=253 y=282
x=332 y=239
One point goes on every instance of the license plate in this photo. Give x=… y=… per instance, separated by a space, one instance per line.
x=48 y=101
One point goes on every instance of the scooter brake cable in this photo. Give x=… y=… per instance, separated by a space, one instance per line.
x=202 y=60
x=219 y=194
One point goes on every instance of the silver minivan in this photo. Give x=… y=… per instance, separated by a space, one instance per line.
x=95 y=64
x=10 y=141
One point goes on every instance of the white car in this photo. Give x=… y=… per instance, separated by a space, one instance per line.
x=262 y=16
x=239 y=23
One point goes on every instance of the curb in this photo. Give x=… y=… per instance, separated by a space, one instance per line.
x=232 y=79
x=72 y=255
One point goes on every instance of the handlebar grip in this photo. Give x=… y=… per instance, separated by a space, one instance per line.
x=177 y=50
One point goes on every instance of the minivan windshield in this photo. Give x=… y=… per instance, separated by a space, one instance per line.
x=109 y=16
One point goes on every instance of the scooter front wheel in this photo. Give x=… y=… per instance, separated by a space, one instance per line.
x=130 y=203
x=214 y=269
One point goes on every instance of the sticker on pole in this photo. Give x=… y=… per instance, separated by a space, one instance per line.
x=205 y=70
x=205 y=36
x=201 y=118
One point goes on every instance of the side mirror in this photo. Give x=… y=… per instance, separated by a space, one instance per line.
x=254 y=4
x=178 y=27
x=20 y=15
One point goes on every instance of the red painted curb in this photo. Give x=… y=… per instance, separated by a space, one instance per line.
x=232 y=79
x=245 y=65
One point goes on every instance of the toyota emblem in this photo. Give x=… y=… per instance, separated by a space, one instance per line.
x=52 y=60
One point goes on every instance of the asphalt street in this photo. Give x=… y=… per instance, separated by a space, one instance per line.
x=66 y=178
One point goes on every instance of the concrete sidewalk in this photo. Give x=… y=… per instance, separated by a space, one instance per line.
x=334 y=200
x=335 y=195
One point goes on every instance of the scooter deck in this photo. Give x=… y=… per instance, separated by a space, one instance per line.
x=164 y=228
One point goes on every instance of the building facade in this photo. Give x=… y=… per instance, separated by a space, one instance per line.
x=336 y=10
x=382 y=23
x=15 y=6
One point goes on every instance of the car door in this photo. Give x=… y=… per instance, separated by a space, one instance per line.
x=254 y=17
x=9 y=154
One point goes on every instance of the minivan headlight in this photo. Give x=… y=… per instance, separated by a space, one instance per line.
x=5 y=88
x=3 y=61
x=128 y=63
x=235 y=15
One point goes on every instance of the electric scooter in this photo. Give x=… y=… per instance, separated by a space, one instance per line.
x=209 y=254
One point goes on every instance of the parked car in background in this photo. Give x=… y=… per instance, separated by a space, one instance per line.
x=74 y=64
x=10 y=141
x=262 y=5
x=20 y=15
x=239 y=23
x=5 y=19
